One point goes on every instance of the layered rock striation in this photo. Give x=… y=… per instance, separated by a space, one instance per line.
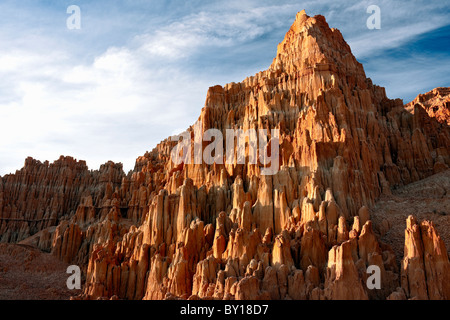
x=225 y=231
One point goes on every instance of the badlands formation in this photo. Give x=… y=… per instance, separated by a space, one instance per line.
x=349 y=157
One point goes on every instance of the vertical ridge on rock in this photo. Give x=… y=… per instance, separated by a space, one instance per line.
x=224 y=231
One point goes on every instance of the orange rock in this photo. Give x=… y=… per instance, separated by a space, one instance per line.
x=180 y=230
x=342 y=279
x=425 y=266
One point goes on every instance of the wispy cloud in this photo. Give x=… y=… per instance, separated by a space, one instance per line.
x=138 y=71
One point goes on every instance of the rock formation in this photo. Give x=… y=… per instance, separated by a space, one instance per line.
x=224 y=231
x=40 y=195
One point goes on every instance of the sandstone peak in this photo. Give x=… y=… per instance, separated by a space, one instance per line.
x=300 y=18
x=225 y=231
x=310 y=44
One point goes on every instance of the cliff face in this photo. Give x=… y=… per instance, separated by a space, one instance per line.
x=41 y=194
x=436 y=103
x=224 y=230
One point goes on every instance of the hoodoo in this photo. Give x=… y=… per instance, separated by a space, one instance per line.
x=225 y=231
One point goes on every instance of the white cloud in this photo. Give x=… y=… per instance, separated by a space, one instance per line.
x=58 y=112
x=128 y=97
x=373 y=43
x=223 y=28
x=124 y=102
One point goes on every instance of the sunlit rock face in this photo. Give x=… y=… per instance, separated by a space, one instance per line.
x=224 y=231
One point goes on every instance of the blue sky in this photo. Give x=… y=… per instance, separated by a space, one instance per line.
x=138 y=71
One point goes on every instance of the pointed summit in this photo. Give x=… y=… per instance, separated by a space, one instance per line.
x=299 y=19
x=310 y=44
x=337 y=144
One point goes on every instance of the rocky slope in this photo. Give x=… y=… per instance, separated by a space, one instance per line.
x=225 y=231
x=26 y=273
x=41 y=194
